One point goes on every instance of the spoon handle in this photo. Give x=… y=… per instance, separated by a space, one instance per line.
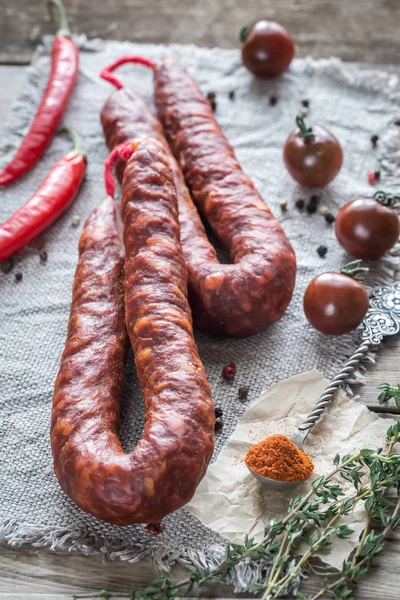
x=343 y=375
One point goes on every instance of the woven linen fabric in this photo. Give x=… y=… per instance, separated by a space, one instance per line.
x=353 y=102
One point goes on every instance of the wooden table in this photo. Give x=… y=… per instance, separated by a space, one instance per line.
x=366 y=30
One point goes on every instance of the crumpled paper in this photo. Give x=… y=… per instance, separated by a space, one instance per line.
x=231 y=502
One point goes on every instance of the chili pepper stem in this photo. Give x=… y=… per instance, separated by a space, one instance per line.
x=353 y=268
x=78 y=147
x=107 y=72
x=306 y=131
x=63 y=21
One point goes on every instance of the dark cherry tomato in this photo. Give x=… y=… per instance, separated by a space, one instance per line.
x=267 y=50
x=313 y=155
x=336 y=303
x=368 y=227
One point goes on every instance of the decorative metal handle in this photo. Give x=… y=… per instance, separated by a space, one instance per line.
x=333 y=387
x=382 y=320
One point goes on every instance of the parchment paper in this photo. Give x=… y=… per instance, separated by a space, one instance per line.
x=231 y=502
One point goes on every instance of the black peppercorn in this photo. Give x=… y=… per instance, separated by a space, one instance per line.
x=243 y=392
x=211 y=96
x=322 y=250
x=7 y=265
x=232 y=95
x=311 y=208
x=218 y=411
x=43 y=255
x=374 y=140
x=273 y=100
x=300 y=203
x=314 y=199
x=218 y=424
x=305 y=103
x=329 y=218
x=18 y=276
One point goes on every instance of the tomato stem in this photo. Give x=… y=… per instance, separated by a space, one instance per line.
x=386 y=199
x=244 y=32
x=63 y=27
x=353 y=268
x=306 y=131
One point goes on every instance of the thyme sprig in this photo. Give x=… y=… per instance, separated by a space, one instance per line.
x=314 y=519
x=389 y=392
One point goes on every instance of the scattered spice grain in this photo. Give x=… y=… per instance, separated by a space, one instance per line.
x=218 y=424
x=322 y=250
x=243 y=392
x=7 y=265
x=229 y=371
x=283 y=206
x=43 y=255
x=154 y=528
x=330 y=218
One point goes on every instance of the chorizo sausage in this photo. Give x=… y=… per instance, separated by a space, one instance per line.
x=162 y=472
x=236 y=299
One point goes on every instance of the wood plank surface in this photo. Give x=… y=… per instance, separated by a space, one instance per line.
x=30 y=574
x=362 y=30
x=357 y=30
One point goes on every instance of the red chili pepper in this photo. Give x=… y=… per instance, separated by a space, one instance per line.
x=48 y=202
x=64 y=69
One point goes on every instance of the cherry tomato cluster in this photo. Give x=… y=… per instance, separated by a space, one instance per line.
x=313 y=156
x=367 y=228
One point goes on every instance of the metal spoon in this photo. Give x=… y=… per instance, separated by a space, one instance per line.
x=382 y=320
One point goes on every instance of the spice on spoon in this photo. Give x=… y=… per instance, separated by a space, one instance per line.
x=278 y=458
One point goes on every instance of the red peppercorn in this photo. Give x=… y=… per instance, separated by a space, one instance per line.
x=154 y=528
x=229 y=371
x=373 y=177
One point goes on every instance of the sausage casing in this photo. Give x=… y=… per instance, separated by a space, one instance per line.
x=236 y=299
x=162 y=472
x=259 y=285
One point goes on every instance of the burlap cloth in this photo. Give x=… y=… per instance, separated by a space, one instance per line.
x=352 y=101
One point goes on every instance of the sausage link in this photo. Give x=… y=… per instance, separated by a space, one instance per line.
x=162 y=472
x=126 y=117
x=238 y=299
x=259 y=285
